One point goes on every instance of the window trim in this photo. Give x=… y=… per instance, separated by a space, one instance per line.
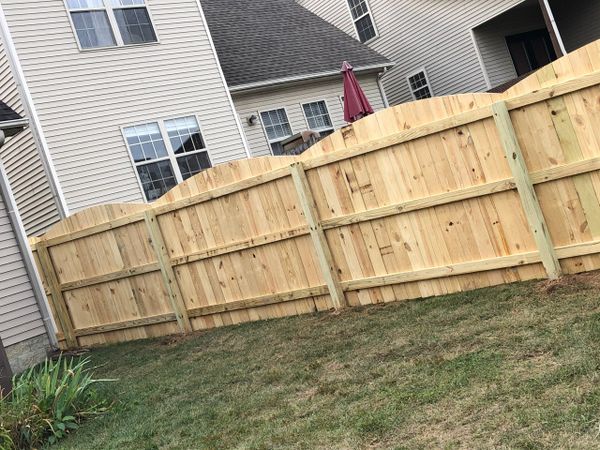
x=412 y=74
x=368 y=13
x=112 y=21
x=171 y=156
x=287 y=115
x=332 y=128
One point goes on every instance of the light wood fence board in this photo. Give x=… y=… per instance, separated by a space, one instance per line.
x=413 y=201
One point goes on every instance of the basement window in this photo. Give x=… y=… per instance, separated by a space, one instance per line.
x=363 y=20
x=111 y=23
x=166 y=153
x=419 y=85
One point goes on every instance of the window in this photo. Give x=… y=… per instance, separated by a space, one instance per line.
x=317 y=117
x=277 y=128
x=110 y=23
x=166 y=153
x=361 y=15
x=419 y=85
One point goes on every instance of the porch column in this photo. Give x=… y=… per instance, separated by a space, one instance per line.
x=557 y=42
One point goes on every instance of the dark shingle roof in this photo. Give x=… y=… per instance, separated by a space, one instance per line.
x=6 y=113
x=261 y=40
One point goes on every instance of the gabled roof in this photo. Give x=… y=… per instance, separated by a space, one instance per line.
x=262 y=41
x=10 y=122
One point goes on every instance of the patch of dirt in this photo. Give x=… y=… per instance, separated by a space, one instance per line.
x=571 y=283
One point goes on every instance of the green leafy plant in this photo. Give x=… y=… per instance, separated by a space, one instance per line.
x=47 y=402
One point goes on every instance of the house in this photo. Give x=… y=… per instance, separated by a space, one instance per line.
x=449 y=47
x=282 y=65
x=26 y=328
x=128 y=98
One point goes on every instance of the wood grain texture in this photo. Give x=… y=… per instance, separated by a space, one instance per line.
x=422 y=199
x=532 y=208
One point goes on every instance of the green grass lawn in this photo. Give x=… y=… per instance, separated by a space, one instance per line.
x=510 y=367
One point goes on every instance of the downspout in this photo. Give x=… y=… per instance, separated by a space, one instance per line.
x=31 y=113
x=380 y=75
x=19 y=229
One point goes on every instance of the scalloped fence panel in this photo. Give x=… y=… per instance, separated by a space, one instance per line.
x=427 y=198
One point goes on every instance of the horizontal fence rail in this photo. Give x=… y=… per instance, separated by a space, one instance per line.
x=423 y=199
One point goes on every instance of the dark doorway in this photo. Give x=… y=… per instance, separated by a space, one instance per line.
x=531 y=50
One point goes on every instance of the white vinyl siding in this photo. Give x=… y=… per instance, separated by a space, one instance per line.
x=83 y=99
x=292 y=98
x=20 y=318
x=23 y=164
x=425 y=33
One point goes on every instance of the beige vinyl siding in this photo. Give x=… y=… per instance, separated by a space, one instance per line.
x=291 y=98
x=23 y=164
x=578 y=21
x=427 y=33
x=20 y=318
x=83 y=98
x=491 y=40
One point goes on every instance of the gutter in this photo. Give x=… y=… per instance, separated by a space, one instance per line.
x=21 y=235
x=305 y=77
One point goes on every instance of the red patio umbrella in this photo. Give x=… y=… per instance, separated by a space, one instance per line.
x=356 y=105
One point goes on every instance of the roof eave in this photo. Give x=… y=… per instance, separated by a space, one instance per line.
x=305 y=77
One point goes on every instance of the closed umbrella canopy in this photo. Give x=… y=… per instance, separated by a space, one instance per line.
x=356 y=105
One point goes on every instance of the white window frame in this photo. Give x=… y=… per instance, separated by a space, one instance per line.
x=171 y=156
x=112 y=20
x=416 y=72
x=332 y=128
x=269 y=141
x=368 y=13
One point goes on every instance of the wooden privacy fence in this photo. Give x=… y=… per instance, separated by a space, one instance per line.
x=423 y=199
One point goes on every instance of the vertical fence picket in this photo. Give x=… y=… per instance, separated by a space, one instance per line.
x=318 y=236
x=529 y=200
x=58 y=299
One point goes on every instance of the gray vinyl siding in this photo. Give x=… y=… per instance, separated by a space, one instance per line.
x=491 y=40
x=23 y=164
x=83 y=98
x=291 y=98
x=20 y=318
x=427 y=33
x=578 y=25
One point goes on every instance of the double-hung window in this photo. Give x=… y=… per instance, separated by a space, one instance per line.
x=318 y=118
x=419 y=85
x=110 y=23
x=277 y=127
x=166 y=153
x=363 y=20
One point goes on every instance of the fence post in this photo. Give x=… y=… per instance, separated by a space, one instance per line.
x=318 y=236
x=168 y=274
x=58 y=299
x=531 y=205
